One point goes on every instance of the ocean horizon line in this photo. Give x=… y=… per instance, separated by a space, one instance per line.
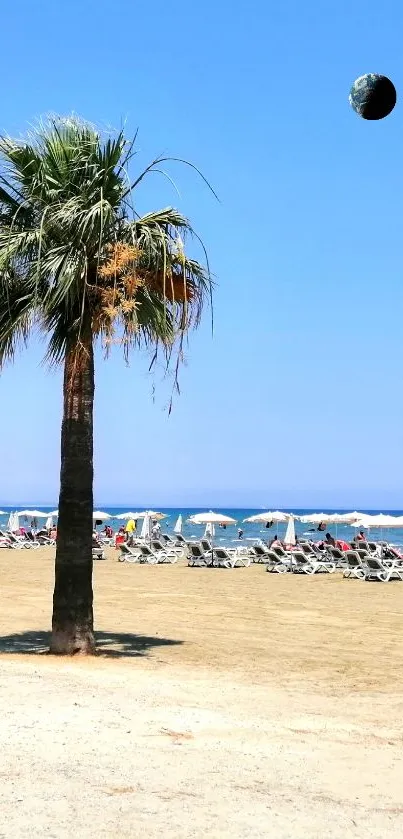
x=125 y=506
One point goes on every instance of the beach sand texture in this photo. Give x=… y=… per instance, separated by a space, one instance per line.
x=225 y=703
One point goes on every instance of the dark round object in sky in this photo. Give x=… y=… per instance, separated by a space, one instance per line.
x=373 y=96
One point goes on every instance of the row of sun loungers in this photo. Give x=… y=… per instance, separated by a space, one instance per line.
x=152 y=554
x=364 y=562
x=368 y=561
x=27 y=542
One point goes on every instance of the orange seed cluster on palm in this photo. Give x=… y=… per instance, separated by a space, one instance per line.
x=121 y=257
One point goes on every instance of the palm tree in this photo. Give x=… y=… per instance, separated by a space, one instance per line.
x=78 y=263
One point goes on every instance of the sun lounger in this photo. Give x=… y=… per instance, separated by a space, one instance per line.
x=360 y=544
x=279 y=550
x=307 y=565
x=259 y=553
x=198 y=557
x=337 y=556
x=180 y=540
x=156 y=546
x=354 y=566
x=45 y=540
x=128 y=554
x=376 y=570
x=229 y=559
x=238 y=550
x=147 y=554
x=170 y=540
x=32 y=541
x=18 y=542
x=363 y=554
x=275 y=563
x=307 y=549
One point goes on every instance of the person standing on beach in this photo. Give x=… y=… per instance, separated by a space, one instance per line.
x=156 y=530
x=129 y=529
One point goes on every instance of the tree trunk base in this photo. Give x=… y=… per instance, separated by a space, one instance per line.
x=72 y=641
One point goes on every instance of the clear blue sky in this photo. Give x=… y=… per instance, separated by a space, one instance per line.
x=298 y=399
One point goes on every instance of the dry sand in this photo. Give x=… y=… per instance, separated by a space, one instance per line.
x=225 y=703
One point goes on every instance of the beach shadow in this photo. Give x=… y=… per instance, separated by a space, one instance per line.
x=109 y=644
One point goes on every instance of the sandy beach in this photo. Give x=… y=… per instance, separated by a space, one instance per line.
x=224 y=703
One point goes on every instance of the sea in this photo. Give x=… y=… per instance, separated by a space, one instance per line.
x=251 y=532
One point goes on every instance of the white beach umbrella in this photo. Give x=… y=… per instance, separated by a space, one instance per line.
x=361 y=523
x=33 y=514
x=356 y=516
x=211 y=518
x=345 y=518
x=152 y=515
x=146 y=528
x=13 y=523
x=127 y=516
x=49 y=523
x=209 y=532
x=383 y=520
x=317 y=518
x=179 y=524
x=380 y=520
x=54 y=513
x=276 y=516
x=100 y=516
x=289 y=537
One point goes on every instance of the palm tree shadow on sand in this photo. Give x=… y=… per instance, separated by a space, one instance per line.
x=109 y=644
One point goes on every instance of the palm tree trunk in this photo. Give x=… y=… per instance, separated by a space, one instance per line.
x=72 y=621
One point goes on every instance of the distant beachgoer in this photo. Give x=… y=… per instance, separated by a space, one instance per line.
x=156 y=530
x=322 y=526
x=269 y=524
x=342 y=545
x=360 y=537
x=392 y=553
x=240 y=533
x=330 y=540
x=276 y=543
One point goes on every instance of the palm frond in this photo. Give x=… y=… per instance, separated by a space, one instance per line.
x=18 y=310
x=157 y=162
